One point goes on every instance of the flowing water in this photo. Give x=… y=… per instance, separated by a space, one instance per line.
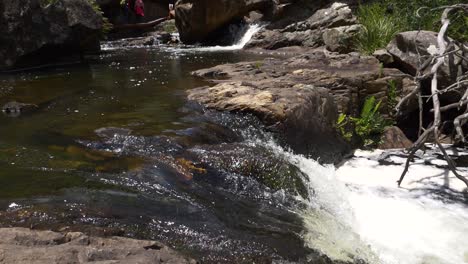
x=114 y=145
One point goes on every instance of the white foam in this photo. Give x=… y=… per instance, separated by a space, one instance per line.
x=251 y=31
x=407 y=225
x=359 y=210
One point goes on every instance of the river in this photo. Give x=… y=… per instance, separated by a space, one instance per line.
x=114 y=144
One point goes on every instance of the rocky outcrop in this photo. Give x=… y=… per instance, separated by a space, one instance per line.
x=299 y=98
x=33 y=33
x=333 y=26
x=199 y=21
x=21 y=245
x=411 y=49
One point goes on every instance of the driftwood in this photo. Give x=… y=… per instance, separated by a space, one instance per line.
x=139 y=26
x=444 y=47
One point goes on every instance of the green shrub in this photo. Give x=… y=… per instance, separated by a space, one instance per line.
x=378 y=27
x=106 y=25
x=368 y=127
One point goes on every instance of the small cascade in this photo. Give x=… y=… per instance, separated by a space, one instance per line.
x=354 y=220
x=240 y=44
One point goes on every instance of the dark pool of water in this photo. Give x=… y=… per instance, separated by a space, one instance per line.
x=141 y=177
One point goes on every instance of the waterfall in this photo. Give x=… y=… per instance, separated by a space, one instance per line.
x=240 y=44
x=375 y=221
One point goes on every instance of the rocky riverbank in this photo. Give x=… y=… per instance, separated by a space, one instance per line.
x=300 y=97
x=22 y=245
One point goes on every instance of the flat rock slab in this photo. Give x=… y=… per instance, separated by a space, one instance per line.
x=25 y=246
x=298 y=97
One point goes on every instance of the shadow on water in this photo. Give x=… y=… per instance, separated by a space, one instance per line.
x=114 y=146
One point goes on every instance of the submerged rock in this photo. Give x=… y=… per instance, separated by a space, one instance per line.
x=21 y=245
x=253 y=161
x=33 y=33
x=15 y=109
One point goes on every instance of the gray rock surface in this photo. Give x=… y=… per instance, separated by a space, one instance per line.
x=411 y=49
x=299 y=97
x=383 y=56
x=32 y=33
x=340 y=39
x=394 y=138
x=25 y=246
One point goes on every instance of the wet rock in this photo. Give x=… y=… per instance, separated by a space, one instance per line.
x=394 y=138
x=411 y=49
x=36 y=33
x=111 y=132
x=198 y=20
x=298 y=98
x=15 y=109
x=21 y=245
x=254 y=161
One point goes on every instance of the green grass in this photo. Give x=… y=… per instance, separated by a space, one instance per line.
x=382 y=19
x=379 y=27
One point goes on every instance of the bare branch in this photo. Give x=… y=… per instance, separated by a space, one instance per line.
x=444 y=49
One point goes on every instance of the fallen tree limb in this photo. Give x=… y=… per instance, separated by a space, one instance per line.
x=444 y=46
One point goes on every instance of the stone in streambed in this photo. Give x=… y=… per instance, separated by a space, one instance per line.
x=271 y=169
x=15 y=109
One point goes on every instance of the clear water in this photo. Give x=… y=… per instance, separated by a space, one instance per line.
x=115 y=146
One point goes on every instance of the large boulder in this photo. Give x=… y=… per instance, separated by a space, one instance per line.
x=303 y=115
x=199 y=20
x=299 y=98
x=411 y=49
x=32 y=33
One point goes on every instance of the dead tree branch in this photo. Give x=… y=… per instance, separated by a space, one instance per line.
x=445 y=47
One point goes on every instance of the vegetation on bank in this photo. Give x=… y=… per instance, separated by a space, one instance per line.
x=368 y=127
x=382 y=19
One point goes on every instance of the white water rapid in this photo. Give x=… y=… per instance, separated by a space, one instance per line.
x=357 y=210
x=251 y=31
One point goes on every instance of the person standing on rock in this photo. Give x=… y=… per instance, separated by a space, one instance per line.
x=139 y=10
